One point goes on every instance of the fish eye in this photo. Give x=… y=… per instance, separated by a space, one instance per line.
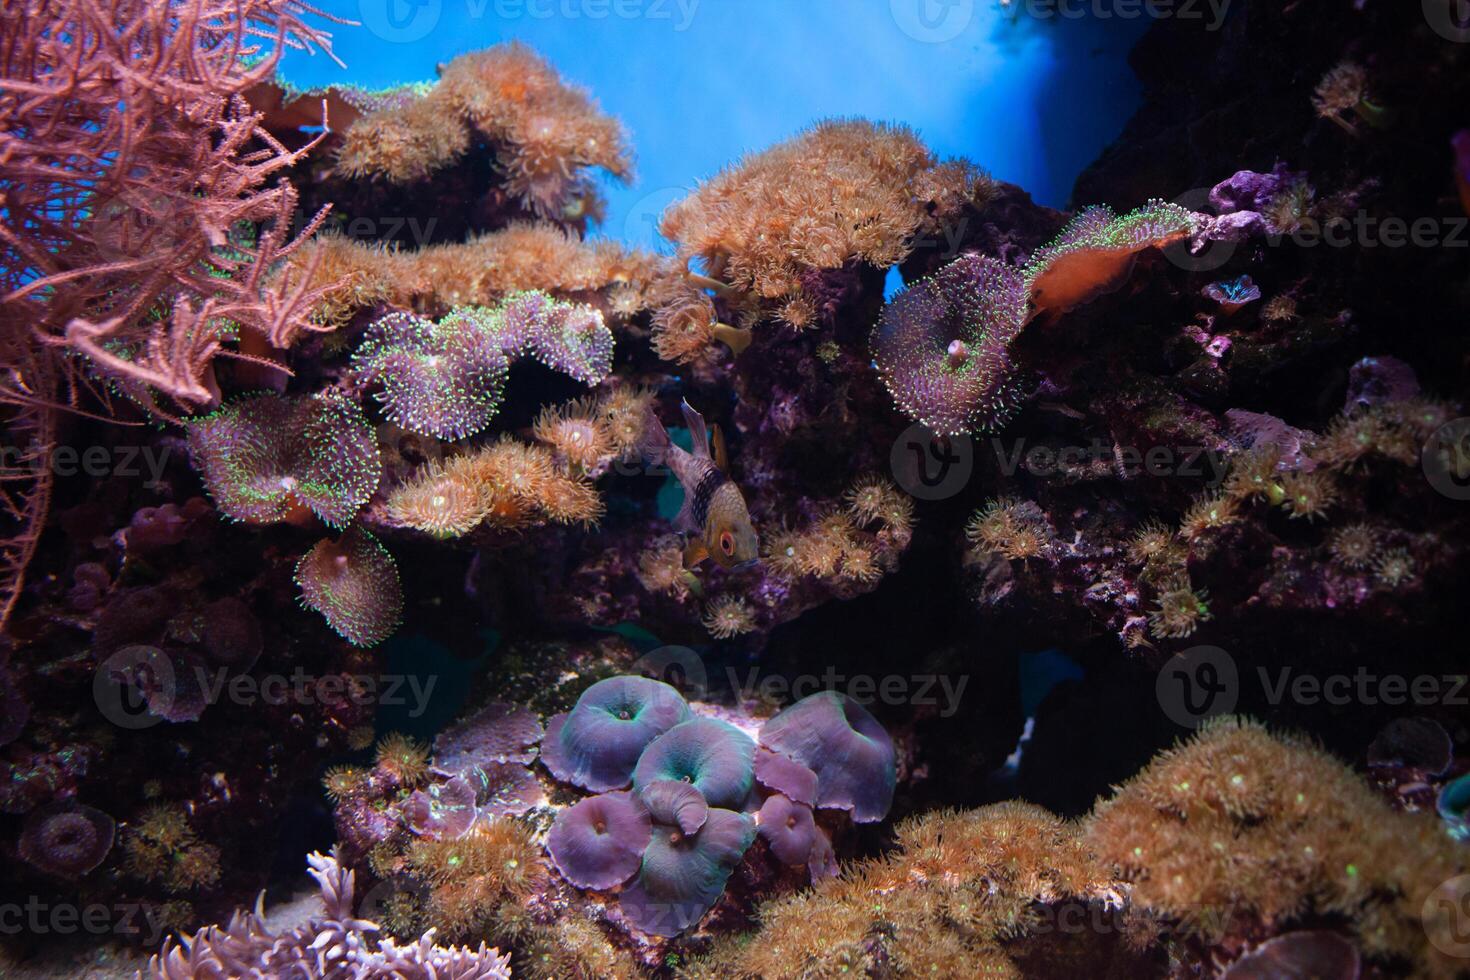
x=727 y=542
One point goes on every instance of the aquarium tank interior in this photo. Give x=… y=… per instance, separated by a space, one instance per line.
x=740 y=489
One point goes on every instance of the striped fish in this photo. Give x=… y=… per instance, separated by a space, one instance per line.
x=714 y=518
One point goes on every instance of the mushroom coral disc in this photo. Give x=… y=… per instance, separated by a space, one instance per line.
x=846 y=747
x=597 y=744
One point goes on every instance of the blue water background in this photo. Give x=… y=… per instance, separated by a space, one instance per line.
x=699 y=83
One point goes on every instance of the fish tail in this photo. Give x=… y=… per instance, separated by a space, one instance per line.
x=654 y=445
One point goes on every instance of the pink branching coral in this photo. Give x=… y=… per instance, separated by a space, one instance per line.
x=545 y=133
x=353 y=583
x=129 y=157
x=941 y=345
x=132 y=164
x=265 y=458
x=446 y=379
x=337 y=946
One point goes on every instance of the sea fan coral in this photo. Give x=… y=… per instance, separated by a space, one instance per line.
x=941 y=345
x=597 y=744
x=850 y=752
x=336 y=946
x=353 y=583
x=145 y=212
x=265 y=458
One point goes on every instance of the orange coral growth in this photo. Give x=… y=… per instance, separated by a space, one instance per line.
x=469 y=877
x=1010 y=528
x=544 y=132
x=506 y=484
x=478 y=272
x=940 y=906
x=1240 y=824
x=843 y=191
x=1096 y=251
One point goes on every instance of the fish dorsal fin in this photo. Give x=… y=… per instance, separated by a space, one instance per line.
x=697 y=431
x=720 y=454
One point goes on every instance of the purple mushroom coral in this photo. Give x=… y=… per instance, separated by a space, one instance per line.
x=66 y=839
x=683 y=875
x=598 y=843
x=776 y=772
x=845 y=746
x=789 y=828
x=714 y=756
x=597 y=744
x=675 y=802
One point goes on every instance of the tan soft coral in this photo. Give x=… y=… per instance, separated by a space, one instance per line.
x=545 y=133
x=477 y=272
x=1240 y=829
x=843 y=191
x=507 y=484
x=960 y=884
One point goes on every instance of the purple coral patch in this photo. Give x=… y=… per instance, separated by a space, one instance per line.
x=498 y=732
x=597 y=744
x=67 y=839
x=789 y=828
x=845 y=746
x=776 y=772
x=675 y=802
x=682 y=875
x=598 y=842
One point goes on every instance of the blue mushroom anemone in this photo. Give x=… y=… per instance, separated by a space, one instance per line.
x=786 y=776
x=851 y=753
x=788 y=828
x=597 y=744
x=1454 y=807
x=598 y=843
x=675 y=802
x=683 y=875
x=717 y=758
